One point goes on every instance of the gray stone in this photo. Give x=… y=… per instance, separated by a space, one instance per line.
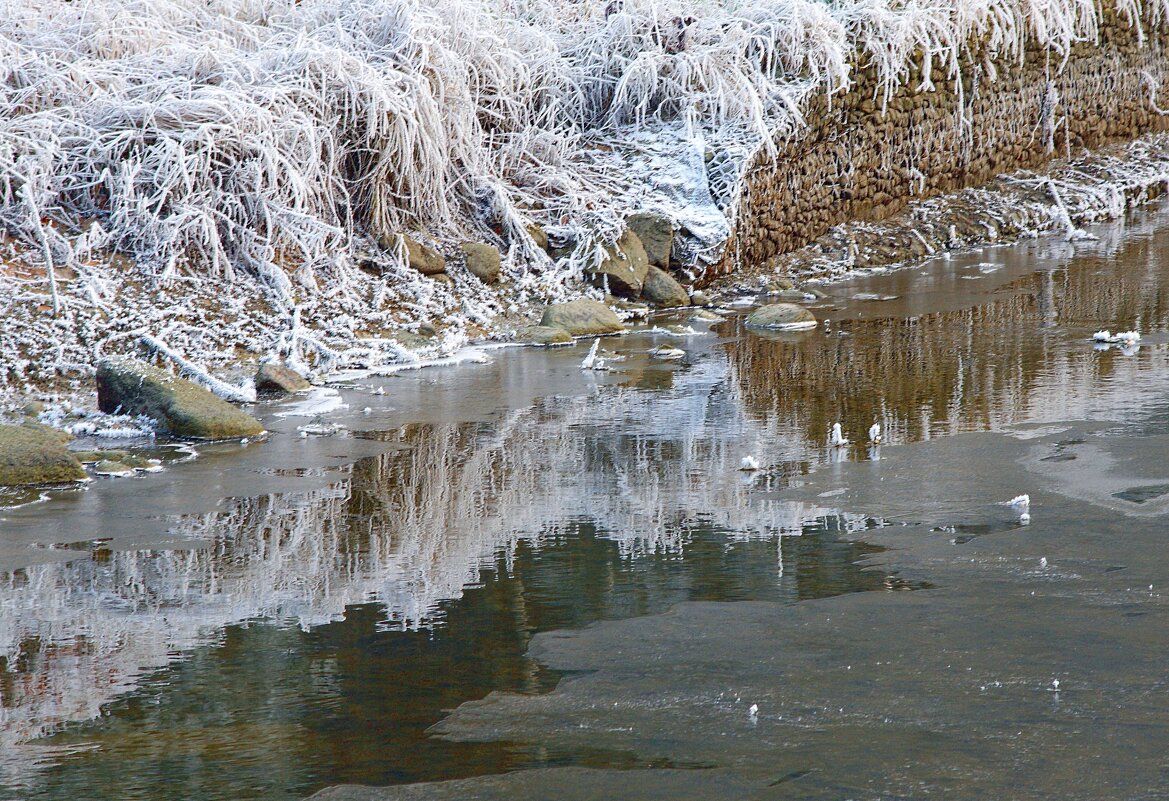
x=582 y=318
x=661 y=289
x=279 y=379
x=482 y=261
x=179 y=406
x=781 y=315
x=29 y=455
x=624 y=266
x=656 y=233
x=543 y=335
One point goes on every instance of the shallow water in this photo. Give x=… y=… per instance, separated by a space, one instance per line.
x=580 y=551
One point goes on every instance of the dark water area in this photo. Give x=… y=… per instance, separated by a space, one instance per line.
x=524 y=580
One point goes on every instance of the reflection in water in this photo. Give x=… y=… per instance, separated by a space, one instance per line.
x=313 y=637
x=410 y=530
x=983 y=367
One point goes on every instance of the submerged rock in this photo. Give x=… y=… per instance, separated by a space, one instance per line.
x=29 y=456
x=180 y=407
x=661 y=289
x=582 y=318
x=706 y=316
x=543 y=335
x=624 y=266
x=656 y=232
x=125 y=458
x=781 y=316
x=279 y=379
x=113 y=469
x=667 y=353
x=482 y=261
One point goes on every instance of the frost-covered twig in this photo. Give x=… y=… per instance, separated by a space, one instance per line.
x=246 y=394
x=1154 y=89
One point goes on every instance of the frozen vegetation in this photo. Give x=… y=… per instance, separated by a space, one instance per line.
x=220 y=177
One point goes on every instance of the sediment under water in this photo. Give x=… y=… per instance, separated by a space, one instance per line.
x=521 y=580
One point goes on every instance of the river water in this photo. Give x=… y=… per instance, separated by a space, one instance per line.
x=523 y=580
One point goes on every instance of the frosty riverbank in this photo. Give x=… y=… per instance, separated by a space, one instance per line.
x=235 y=179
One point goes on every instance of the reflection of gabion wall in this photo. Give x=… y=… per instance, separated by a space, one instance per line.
x=856 y=160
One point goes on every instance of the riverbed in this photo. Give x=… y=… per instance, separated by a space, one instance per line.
x=520 y=579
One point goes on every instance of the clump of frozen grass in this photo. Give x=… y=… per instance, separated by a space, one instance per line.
x=274 y=140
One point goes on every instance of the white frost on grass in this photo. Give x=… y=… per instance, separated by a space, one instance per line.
x=250 y=152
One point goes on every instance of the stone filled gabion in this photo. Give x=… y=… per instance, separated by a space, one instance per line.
x=865 y=156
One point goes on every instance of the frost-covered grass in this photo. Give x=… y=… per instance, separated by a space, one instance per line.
x=273 y=143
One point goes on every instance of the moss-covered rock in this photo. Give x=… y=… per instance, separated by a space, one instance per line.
x=582 y=318
x=47 y=431
x=661 y=289
x=543 y=335
x=179 y=406
x=482 y=261
x=279 y=379
x=30 y=456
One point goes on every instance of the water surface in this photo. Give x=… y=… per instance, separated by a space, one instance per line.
x=523 y=580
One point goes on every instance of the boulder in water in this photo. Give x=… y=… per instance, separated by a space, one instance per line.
x=661 y=289
x=543 y=335
x=30 y=455
x=279 y=379
x=582 y=318
x=782 y=316
x=179 y=406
